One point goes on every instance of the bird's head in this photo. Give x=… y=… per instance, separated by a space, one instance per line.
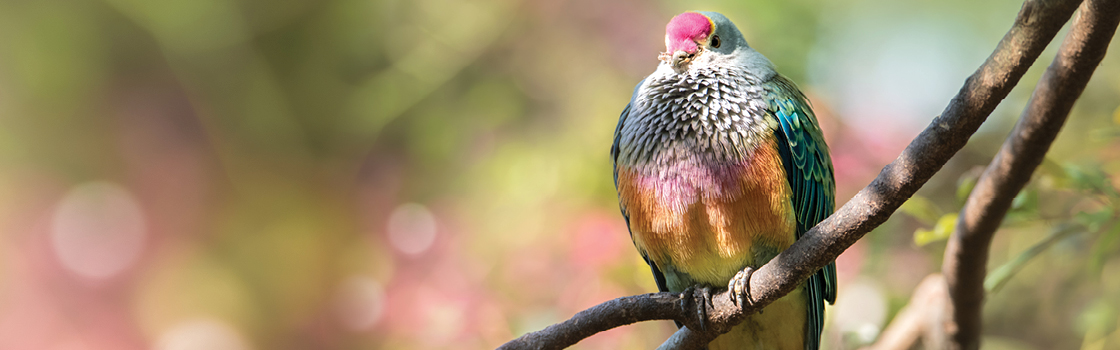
x=693 y=38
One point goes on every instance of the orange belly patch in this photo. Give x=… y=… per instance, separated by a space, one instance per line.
x=702 y=219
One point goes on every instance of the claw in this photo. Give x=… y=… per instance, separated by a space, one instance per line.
x=686 y=296
x=705 y=301
x=740 y=287
x=702 y=296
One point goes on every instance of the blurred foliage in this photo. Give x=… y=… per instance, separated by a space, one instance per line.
x=941 y=230
x=998 y=277
x=391 y=174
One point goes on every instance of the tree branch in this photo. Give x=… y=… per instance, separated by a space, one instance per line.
x=1037 y=23
x=608 y=315
x=966 y=255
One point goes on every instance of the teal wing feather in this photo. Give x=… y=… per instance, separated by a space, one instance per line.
x=810 y=175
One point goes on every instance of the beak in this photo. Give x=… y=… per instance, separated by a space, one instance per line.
x=681 y=58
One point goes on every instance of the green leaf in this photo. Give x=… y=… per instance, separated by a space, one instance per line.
x=1104 y=247
x=1026 y=202
x=967 y=182
x=940 y=232
x=922 y=209
x=999 y=277
x=1052 y=176
x=1094 y=220
x=1087 y=178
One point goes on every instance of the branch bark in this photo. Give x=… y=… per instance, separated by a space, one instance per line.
x=966 y=255
x=1036 y=25
x=608 y=315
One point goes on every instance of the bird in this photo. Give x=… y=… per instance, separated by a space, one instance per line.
x=719 y=165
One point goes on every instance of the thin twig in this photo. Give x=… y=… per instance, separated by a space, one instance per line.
x=966 y=255
x=918 y=320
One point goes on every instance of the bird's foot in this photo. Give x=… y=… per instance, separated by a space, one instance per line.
x=701 y=296
x=739 y=288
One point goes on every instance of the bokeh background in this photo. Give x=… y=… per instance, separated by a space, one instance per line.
x=433 y=174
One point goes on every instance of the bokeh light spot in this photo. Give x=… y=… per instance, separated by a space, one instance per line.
x=412 y=228
x=97 y=230
x=201 y=334
x=360 y=302
x=860 y=309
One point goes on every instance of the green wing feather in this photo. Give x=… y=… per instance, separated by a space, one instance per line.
x=809 y=172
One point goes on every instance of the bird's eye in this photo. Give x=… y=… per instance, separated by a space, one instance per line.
x=715 y=41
